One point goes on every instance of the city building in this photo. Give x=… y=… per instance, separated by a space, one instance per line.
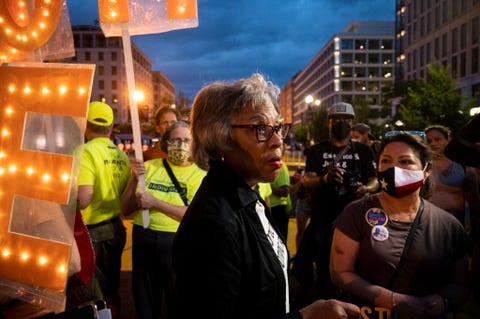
x=354 y=66
x=110 y=79
x=163 y=90
x=439 y=31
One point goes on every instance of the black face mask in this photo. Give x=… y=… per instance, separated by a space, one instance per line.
x=341 y=130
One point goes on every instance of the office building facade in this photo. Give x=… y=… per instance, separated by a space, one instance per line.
x=355 y=65
x=446 y=32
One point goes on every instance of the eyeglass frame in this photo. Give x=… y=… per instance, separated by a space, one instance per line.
x=417 y=134
x=274 y=129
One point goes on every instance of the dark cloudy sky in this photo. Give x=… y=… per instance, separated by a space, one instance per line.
x=238 y=37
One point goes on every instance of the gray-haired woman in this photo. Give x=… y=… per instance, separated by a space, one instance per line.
x=229 y=260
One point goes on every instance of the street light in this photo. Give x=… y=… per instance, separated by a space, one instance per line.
x=309 y=100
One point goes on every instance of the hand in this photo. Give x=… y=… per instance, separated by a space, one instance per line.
x=334 y=176
x=410 y=307
x=331 y=309
x=138 y=168
x=145 y=200
x=434 y=304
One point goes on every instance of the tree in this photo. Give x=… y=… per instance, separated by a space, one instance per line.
x=182 y=105
x=434 y=101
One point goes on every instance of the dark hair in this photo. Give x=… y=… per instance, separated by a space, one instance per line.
x=163 y=110
x=423 y=153
x=99 y=129
x=445 y=131
x=168 y=132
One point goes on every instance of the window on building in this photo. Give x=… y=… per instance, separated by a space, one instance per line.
x=373 y=86
x=114 y=99
x=444 y=11
x=101 y=84
x=101 y=70
x=455 y=7
x=360 y=58
x=360 y=86
x=387 y=58
x=373 y=72
x=100 y=56
x=373 y=58
x=114 y=70
x=454 y=40
x=387 y=72
x=346 y=72
x=347 y=44
x=475 y=60
x=463 y=36
x=454 y=65
x=360 y=72
x=444 y=45
x=436 y=49
x=475 y=30
x=387 y=44
x=463 y=64
x=76 y=41
x=437 y=16
x=374 y=44
x=87 y=56
x=114 y=84
x=428 y=53
x=360 y=44
x=88 y=40
x=101 y=97
x=100 y=41
x=114 y=56
x=346 y=58
x=346 y=86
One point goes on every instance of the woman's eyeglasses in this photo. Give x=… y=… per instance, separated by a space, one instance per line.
x=264 y=132
x=418 y=134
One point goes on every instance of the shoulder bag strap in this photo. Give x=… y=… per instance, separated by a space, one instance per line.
x=408 y=244
x=180 y=190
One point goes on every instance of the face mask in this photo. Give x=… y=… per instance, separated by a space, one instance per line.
x=178 y=153
x=400 y=182
x=341 y=130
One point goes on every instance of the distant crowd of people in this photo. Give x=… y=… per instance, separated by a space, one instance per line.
x=385 y=229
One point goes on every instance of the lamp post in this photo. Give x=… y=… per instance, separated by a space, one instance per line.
x=309 y=100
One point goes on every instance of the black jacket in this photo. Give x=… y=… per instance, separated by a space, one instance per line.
x=225 y=266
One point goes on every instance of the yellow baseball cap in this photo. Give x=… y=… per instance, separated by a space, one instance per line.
x=100 y=114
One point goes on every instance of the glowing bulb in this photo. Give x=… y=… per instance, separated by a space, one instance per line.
x=41 y=25
x=11 y=88
x=22 y=16
x=45 y=13
x=1 y=20
x=27 y=89
x=2 y=154
x=42 y=260
x=6 y=253
x=8 y=31
x=8 y=110
x=24 y=256
x=45 y=91
x=65 y=177
x=2 y=170
x=34 y=34
x=4 y=132
x=21 y=4
x=12 y=169
x=62 y=268
x=181 y=9
x=46 y=177
x=113 y=14
x=30 y=171
x=81 y=91
x=63 y=89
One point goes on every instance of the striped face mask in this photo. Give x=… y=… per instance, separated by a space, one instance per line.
x=400 y=182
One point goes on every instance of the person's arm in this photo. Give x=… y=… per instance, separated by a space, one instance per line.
x=342 y=269
x=128 y=200
x=85 y=195
x=146 y=200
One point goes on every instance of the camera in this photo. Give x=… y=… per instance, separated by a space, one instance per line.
x=350 y=179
